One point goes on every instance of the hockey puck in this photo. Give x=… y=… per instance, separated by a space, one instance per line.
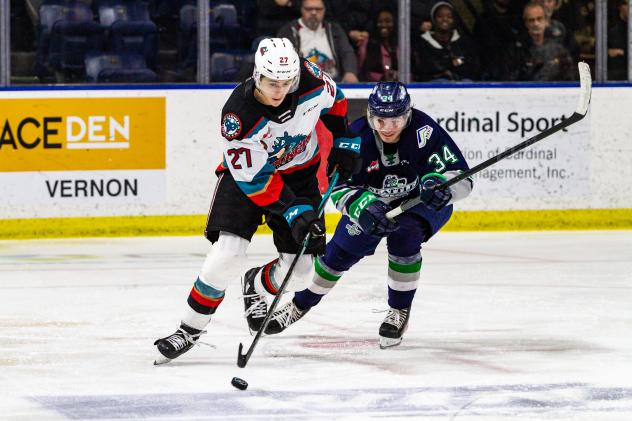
x=240 y=384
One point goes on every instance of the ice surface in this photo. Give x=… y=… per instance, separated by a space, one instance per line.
x=529 y=325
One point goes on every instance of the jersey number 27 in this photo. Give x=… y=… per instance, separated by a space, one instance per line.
x=235 y=155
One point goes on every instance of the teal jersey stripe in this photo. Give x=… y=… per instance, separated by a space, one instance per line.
x=339 y=94
x=259 y=181
x=207 y=290
x=309 y=95
x=257 y=128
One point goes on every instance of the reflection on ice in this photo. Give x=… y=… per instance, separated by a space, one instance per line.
x=550 y=401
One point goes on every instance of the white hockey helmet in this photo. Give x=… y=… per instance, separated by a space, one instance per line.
x=277 y=59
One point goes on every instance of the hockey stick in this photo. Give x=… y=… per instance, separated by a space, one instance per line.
x=580 y=112
x=242 y=359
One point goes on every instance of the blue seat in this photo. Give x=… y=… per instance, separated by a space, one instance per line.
x=118 y=68
x=224 y=15
x=110 y=11
x=225 y=30
x=49 y=13
x=130 y=29
x=226 y=65
x=70 y=42
x=187 y=36
x=66 y=33
x=136 y=37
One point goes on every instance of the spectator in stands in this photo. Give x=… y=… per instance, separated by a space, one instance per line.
x=538 y=57
x=420 y=21
x=497 y=29
x=443 y=54
x=272 y=14
x=584 y=26
x=322 y=42
x=618 y=44
x=357 y=17
x=378 y=57
x=556 y=29
x=554 y=26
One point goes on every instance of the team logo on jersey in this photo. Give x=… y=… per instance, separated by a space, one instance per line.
x=373 y=166
x=423 y=135
x=231 y=126
x=313 y=69
x=353 y=229
x=285 y=148
x=394 y=186
x=390 y=160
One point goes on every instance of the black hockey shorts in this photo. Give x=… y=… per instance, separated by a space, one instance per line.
x=232 y=211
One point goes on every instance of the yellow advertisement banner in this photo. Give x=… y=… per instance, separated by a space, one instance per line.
x=82 y=134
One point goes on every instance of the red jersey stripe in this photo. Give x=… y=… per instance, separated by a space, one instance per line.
x=270 y=193
x=339 y=108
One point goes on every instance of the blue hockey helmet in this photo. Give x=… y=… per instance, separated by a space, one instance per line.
x=389 y=100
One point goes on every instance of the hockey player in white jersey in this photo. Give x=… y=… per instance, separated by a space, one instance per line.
x=271 y=157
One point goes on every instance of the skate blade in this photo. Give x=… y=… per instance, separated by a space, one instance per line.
x=389 y=342
x=161 y=359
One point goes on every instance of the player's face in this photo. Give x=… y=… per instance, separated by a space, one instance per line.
x=272 y=91
x=389 y=128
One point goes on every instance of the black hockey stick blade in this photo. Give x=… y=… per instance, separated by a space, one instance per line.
x=585 y=84
x=242 y=359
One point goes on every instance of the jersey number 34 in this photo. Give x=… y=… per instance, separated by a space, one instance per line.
x=440 y=162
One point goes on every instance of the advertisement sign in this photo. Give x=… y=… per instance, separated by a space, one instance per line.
x=88 y=149
x=485 y=125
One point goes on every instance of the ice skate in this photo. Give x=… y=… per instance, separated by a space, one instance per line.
x=255 y=305
x=284 y=317
x=176 y=344
x=393 y=327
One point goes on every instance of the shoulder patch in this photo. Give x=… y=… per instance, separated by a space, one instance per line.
x=423 y=135
x=231 y=126
x=313 y=69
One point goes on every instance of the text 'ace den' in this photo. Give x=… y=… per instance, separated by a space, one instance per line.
x=71 y=132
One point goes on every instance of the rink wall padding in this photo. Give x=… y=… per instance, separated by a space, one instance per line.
x=175 y=225
x=134 y=160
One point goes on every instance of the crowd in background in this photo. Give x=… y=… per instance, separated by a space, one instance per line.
x=353 y=40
